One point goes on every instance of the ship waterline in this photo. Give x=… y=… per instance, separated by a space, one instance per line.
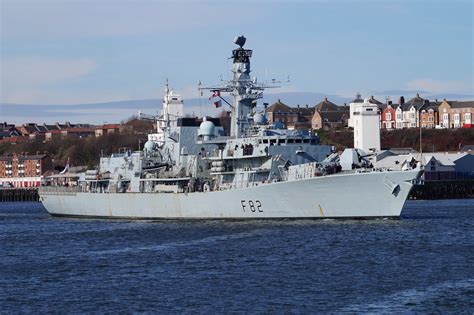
x=357 y=195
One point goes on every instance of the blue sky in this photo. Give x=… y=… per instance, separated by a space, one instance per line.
x=87 y=51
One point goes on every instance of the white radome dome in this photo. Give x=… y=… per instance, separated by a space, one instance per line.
x=258 y=119
x=207 y=128
x=150 y=145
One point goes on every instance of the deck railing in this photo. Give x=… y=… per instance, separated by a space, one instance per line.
x=59 y=190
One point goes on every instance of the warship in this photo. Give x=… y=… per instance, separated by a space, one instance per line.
x=190 y=169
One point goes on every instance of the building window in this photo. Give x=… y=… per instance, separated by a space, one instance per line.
x=446 y=118
x=430 y=118
x=388 y=116
x=399 y=116
x=467 y=118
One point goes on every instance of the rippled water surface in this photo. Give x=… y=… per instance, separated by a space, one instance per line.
x=421 y=263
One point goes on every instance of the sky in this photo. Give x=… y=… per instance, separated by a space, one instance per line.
x=89 y=51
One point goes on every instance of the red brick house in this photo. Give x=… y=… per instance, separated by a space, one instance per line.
x=108 y=129
x=23 y=170
x=388 y=117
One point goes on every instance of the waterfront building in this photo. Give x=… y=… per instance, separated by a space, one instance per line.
x=411 y=111
x=388 y=115
x=438 y=165
x=280 y=112
x=27 y=129
x=108 y=129
x=324 y=115
x=23 y=170
x=456 y=114
x=53 y=134
x=429 y=117
x=399 y=121
x=328 y=115
x=448 y=166
x=9 y=132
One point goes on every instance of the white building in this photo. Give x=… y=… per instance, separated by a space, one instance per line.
x=366 y=120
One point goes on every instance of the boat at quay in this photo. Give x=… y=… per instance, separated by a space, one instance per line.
x=189 y=169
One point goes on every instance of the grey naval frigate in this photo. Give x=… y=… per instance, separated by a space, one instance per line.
x=189 y=169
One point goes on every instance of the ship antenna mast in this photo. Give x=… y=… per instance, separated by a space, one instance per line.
x=243 y=89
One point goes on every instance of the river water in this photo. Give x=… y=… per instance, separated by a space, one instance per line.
x=421 y=263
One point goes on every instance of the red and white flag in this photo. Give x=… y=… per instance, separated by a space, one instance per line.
x=218 y=102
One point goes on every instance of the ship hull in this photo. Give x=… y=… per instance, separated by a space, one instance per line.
x=364 y=195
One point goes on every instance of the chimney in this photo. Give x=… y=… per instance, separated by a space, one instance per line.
x=444 y=99
x=298 y=106
x=401 y=101
x=325 y=98
x=307 y=106
x=436 y=100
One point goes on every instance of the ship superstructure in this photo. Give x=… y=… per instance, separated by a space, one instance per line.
x=189 y=169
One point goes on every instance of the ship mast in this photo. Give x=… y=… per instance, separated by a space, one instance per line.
x=164 y=123
x=242 y=95
x=242 y=88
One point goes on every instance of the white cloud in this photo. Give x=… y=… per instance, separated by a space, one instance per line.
x=438 y=86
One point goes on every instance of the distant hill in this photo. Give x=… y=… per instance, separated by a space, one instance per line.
x=120 y=110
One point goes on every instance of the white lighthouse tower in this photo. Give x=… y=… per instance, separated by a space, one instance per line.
x=366 y=126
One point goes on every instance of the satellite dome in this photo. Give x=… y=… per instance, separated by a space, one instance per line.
x=258 y=119
x=150 y=145
x=206 y=129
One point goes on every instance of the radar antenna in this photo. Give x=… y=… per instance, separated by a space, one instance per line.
x=244 y=90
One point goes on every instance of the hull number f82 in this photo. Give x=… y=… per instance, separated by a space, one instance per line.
x=254 y=206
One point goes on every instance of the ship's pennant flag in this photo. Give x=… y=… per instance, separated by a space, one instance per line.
x=218 y=102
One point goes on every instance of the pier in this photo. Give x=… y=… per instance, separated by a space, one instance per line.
x=455 y=189
x=18 y=194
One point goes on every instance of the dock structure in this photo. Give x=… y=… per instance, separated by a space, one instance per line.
x=18 y=194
